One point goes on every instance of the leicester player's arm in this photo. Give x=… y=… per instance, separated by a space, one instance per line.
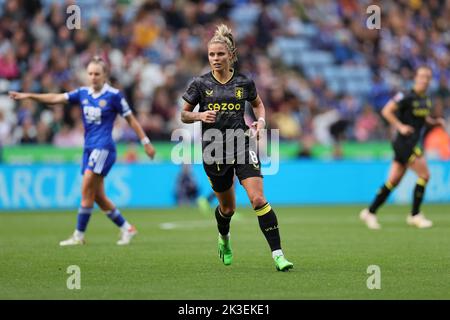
x=388 y=113
x=48 y=98
x=120 y=104
x=145 y=141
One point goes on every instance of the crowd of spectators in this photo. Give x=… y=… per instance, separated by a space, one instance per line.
x=154 y=48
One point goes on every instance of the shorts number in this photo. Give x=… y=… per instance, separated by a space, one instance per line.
x=253 y=156
x=93 y=157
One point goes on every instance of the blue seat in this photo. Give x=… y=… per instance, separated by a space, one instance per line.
x=313 y=71
x=244 y=18
x=332 y=72
x=292 y=44
x=316 y=57
x=359 y=71
x=358 y=88
x=335 y=85
x=245 y=13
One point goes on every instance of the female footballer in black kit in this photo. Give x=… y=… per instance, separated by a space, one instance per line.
x=408 y=113
x=221 y=95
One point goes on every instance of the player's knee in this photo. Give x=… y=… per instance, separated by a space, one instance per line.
x=88 y=196
x=257 y=200
x=227 y=210
x=394 y=182
x=425 y=176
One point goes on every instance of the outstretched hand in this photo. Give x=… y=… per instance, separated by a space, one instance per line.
x=17 y=95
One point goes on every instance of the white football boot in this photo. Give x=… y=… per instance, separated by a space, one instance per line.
x=127 y=235
x=369 y=219
x=75 y=239
x=419 y=221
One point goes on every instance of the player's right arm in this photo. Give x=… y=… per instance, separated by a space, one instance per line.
x=388 y=113
x=191 y=98
x=188 y=116
x=48 y=98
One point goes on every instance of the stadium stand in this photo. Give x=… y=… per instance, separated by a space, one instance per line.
x=308 y=58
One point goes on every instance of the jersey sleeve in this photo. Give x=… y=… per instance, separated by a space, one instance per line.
x=121 y=105
x=252 y=94
x=192 y=94
x=73 y=96
x=400 y=99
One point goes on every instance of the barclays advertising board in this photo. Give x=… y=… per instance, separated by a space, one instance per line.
x=153 y=185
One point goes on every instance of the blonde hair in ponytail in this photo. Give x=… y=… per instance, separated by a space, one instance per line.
x=224 y=35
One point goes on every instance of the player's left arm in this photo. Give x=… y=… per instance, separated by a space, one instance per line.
x=145 y=141
x=260 y=114
x=435 y=121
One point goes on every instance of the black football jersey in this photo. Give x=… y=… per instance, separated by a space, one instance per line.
x=228 y=99
x=412 y=110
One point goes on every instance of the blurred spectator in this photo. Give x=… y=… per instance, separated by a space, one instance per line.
x=319 y=52
x=348 y=110
x=131 y=154
x=322 y=123
x=380 y=93
x=67 y=137
x=5 y=130
x=306 y=145
x=186 y=187
x=286 y=119
x=26 y=133
x=9 y=69
x=367 y=125
x=437 y=144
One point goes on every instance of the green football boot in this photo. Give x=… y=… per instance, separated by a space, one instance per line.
x=203 y=205
x=282 y=264
x=225 y=253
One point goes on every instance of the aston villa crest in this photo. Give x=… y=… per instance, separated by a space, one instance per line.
x=239 y=92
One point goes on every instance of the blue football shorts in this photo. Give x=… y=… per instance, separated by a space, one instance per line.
x=99 y=161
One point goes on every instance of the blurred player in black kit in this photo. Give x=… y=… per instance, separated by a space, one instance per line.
x=408 y=113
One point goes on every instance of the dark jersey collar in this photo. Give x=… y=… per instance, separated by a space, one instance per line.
x=216 y=80
x=423 y=95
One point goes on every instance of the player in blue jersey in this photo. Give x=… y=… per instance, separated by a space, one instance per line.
x=100 y=103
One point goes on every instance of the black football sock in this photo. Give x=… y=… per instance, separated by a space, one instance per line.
x=381 y=197
x=269 y=226
x=223 y=221
x=419 y=192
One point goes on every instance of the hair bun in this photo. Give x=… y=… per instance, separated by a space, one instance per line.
x=224 y=35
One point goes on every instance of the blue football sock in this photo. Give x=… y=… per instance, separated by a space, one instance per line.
x=116 y=217
x=84 y=214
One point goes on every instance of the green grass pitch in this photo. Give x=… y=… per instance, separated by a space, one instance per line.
x=174 y=256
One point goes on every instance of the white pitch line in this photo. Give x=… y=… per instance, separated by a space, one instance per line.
x=186 y=224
